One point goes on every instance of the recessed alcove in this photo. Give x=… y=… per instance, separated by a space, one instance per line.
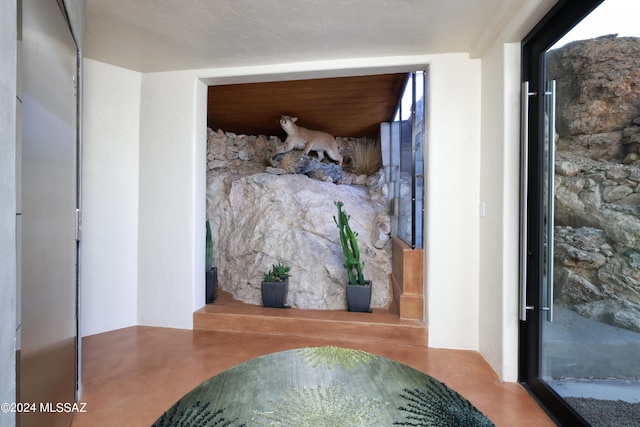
x=246 y=117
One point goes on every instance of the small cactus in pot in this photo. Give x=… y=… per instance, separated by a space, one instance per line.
x=275 y=286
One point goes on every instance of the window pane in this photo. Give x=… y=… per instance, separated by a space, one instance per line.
x=407 y=139
x=405 y=205
x=418 y=168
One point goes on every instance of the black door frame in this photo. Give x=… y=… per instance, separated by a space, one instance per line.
x=564 y=16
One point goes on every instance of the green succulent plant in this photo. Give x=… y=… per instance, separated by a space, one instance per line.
x=278 y=273
x=350 y=249
x=208 y=249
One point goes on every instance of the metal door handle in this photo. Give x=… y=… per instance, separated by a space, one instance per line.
x=524 y=183
x=551 y=132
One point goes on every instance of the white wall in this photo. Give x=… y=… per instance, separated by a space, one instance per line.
x=451 y=219
x=172 y=187
x=109 y=274
x=499 y=190
x=172 y=194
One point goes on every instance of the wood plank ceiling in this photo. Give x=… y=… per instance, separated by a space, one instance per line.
x=342 y=106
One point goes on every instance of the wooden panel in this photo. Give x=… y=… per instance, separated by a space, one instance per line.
x=344 y=106
x=412 y=307
x=407 y=279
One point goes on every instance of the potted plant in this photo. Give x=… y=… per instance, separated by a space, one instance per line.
x=211 y=272
x=275 y=285
x=358 y=289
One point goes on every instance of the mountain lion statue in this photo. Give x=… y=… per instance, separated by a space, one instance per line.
x=309 y=140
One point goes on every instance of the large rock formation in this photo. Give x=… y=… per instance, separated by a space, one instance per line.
x=261 y=216
x=598 y=84
x=597 y=233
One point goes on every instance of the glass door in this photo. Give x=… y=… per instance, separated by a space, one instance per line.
x=580 y=302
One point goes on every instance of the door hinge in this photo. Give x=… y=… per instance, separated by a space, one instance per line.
x=78 y=224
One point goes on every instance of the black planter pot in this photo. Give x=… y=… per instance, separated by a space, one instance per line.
x=211 y=285
x=274 y=294
x=359 y=297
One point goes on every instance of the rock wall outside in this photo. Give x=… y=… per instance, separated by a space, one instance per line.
x=597 y=180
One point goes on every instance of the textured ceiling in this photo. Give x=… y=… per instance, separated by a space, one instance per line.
x=164 y=35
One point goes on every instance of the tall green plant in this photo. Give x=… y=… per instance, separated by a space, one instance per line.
x=208 y=249
x=350 y=247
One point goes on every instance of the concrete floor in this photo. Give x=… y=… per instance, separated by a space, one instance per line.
x=587 y=358
x=132 y=375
